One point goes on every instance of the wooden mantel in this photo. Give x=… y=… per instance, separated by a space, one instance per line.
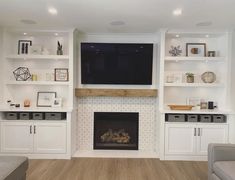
x=82 y=92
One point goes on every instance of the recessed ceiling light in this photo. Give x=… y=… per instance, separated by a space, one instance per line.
x=24 y=33
x=177 y=12
x=117 y=23
x=205 y=23
x=177 y=35
x=27 y=21
x=56 y=34
x=207 y=35
x=52 y=11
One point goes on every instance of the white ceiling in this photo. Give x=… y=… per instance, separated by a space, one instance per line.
x=140 y=16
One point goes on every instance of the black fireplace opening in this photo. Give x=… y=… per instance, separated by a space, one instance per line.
x=116 y=130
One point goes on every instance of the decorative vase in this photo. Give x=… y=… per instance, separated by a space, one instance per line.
x=190 y=79
x=59 y=52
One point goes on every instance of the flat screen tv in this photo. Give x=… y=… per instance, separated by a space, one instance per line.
x=115 y=63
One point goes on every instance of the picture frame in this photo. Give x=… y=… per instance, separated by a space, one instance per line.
x=196 y=49
x=194 y=101
x=61 y=74
x=24 y=46
x=211 y=53
x=45 y=99
x=57 y=102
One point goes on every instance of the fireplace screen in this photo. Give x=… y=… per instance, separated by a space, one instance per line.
x=116 y=130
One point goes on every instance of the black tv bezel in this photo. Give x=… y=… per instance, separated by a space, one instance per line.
x=97 y=83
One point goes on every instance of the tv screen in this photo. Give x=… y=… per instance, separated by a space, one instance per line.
x=115 y=63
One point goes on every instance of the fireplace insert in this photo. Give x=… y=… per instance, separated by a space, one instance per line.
x=116 y=130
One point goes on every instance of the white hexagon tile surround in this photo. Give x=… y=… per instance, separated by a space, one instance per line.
x=148 y=123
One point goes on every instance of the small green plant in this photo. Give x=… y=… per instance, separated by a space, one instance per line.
x=189 y=74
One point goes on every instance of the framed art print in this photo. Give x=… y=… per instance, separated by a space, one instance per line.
x=61 y=74
x=45 y=99
x=196 y=49
x=24 y=46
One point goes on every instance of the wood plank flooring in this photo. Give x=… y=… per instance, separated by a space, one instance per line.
x=116 y=169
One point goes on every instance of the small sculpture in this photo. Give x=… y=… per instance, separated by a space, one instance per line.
x=59 y=49
x=175 y=51
x=22 y=74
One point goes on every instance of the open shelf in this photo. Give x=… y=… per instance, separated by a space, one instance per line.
x=36 y=109
x=197 y=111
x=194 y=59
x=38 y=57
x=51 y=83
x=193 y=85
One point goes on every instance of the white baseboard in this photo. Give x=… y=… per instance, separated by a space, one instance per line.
x=116 y=154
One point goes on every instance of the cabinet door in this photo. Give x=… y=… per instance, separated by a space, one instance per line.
x=16 y=137
x=212 y=133
x=180 y=139
x=49 y=137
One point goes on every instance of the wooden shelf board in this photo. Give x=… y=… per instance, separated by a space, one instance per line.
x=82 y=92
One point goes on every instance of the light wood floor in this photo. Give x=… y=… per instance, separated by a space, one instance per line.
x=115 y=169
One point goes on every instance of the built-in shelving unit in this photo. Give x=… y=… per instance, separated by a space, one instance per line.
x=183 y=140
x=41 y=61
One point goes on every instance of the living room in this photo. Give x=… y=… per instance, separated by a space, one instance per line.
x=132 y=90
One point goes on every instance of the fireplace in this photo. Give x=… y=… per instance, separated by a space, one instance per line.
x=116 y=130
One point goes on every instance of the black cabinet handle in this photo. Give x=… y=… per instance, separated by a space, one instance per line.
x=30 y=129
x=34 y=129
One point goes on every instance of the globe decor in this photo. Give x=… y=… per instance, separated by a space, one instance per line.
x=22 y=74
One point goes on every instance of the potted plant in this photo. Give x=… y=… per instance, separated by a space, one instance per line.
x=189 y=77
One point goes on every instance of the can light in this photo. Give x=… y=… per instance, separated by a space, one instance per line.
x=52 y=11
x=177 y=12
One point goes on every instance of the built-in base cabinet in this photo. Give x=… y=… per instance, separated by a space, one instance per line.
x=193 y=139
x=33 y=137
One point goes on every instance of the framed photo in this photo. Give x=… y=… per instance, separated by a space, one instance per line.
x=45 y=99
x=196 y=49
x=194 y=101
x=61 y=74
x=24 y=46
x=211 y=53
x=57 y=102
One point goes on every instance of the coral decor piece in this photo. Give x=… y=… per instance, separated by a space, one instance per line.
x=175 y=51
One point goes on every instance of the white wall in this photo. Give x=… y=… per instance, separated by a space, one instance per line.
x=233 y=73
x=147 y=107
x=1 y=70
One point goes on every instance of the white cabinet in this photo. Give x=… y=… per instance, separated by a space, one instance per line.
x=210 y=134
x=30 y=137
x=16 y=137
x=179 y=139
x=50 y=138
x=193 y=139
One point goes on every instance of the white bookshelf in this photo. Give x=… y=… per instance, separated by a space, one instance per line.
x=177 y=92
x=43 y=65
